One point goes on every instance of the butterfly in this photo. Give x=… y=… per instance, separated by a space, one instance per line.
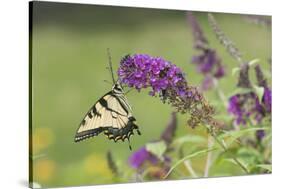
x=111 y=115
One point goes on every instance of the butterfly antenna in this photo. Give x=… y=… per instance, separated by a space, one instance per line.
x=110 y=65
x=106 y=81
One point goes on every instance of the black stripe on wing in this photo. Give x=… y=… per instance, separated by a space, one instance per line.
x=94 y=112
x=122 y=104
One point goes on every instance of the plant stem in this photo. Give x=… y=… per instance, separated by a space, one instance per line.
x=186 y=158
x=225 y=150
x=220 y=93
x=209 y=156
x=190 y=169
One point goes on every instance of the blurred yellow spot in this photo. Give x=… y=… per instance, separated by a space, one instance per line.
x=44 y=170
x=42 y=138
x=95 y=164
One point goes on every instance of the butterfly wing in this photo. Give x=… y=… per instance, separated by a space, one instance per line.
x=112 y=115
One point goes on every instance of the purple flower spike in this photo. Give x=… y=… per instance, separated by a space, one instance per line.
x=246 y=106
x=167 y=81
x=208 y=63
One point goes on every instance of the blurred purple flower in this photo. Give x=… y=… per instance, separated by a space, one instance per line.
x=220 y=71
x=246 y=106
x=207 y=83
x=266 y=99
x=141 y=159
x=137 y=159
x=200 y=42
x=170 y=130
x=207 y=62
x=260 y=134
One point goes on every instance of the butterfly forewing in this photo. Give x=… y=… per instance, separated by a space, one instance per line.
x=112 y=115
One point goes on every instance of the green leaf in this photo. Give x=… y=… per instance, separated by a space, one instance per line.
x=240 y=91
x=235 y=70
x=157 y=148
x=189 y=138
x=267 y=74
x=234 y=135
x=231 y=160
x=249 y=155
x=259 y=91
x=265 y=166
x=188 y=157
x=253 y=62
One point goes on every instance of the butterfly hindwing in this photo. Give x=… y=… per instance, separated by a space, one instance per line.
x=111 y=114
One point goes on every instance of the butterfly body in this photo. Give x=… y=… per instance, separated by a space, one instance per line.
x=112 y=115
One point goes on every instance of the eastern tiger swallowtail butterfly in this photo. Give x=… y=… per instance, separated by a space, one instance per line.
x=111 y=114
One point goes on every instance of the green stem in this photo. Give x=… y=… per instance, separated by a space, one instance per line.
x=188 y=165
x=225 y=150
x=186 y=158
x=220 y=93
x=209 y=156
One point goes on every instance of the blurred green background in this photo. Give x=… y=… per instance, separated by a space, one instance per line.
x=69 y=60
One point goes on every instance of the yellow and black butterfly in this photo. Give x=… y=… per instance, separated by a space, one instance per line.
x=111 y=114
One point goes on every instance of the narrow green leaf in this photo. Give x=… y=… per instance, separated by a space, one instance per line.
x=189 y=138
x=231 y=160
x=253 y=62
x=240 y=91
x=259 y=91
x=157 y=148
x=188 y=157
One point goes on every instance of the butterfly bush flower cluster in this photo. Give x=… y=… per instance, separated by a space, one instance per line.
x=167 y=81
x=208 y=63
x=143 y=159
x=141 y=71
x=247 y=106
